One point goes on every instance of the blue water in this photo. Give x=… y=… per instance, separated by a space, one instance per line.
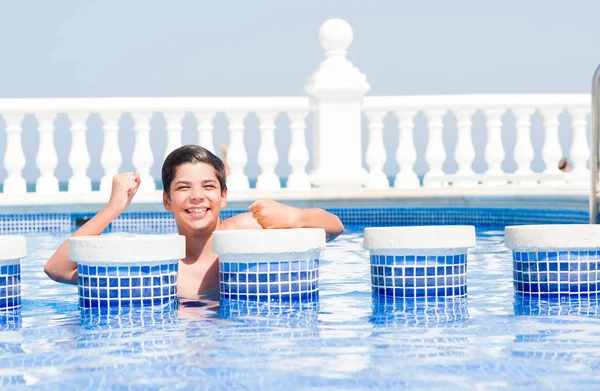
x=351 y=340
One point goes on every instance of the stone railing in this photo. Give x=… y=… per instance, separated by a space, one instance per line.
x=337 y=103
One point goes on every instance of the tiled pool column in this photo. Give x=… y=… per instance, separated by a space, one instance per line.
x=269 y=265
x=117 y=271
x=413 y=262
x=12 y=250
x=552 y=261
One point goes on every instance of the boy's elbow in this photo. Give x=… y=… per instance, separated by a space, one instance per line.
x=58 y=275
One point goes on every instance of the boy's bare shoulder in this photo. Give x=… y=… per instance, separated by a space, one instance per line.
x=240 y=221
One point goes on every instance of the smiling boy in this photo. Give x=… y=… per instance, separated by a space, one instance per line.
x=195 y=192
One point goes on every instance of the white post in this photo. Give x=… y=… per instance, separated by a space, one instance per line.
x=336 y=91
x=551 y=151
x=298 y=155
x=174 y=129
x=14 y=158
x=435 y=155
x=523 y=147
x=465 y=153
x=579 y=174
x=79 y=157
x=376 y=155
x=267 y=153
x=205 y=130
x=494 y=150
x=406 y=155
x=111 y=158
x=142 y=152
x=46 y=158
x=236 y=156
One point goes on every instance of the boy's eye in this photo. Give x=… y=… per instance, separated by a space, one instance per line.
x=209 y=187
x=183 y=187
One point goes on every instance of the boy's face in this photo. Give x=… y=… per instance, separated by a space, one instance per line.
x=195 y=199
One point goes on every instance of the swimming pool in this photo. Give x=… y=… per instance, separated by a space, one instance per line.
x=350 y=340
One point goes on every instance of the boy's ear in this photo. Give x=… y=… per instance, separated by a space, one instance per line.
x=166 y=202
x=223 y=198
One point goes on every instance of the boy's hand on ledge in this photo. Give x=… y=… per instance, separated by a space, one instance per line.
x=124 y=187
x=272 y=214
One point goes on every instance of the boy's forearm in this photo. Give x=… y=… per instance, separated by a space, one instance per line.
x=319 y=218
x=60 y=267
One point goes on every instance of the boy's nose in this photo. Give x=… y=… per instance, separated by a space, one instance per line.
x=197 y=195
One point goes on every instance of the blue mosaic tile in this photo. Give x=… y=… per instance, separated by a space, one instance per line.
x=127 y=317
x=10 y=319
x=127 y=286
x=271 y=314
x=293 y=281
x=163 y=222
x=564 y=306
x=10 y=285
x=402 y=312
x=555 y=274
x=412 y=276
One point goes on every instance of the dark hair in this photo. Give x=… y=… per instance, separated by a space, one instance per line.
x=191 y=154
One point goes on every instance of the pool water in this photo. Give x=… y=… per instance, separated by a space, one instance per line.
x=350 y=340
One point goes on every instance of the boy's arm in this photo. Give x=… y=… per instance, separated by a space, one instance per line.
x=271 y=214
x=59 y=267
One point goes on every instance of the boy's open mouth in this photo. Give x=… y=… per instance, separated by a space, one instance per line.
x=197 y=212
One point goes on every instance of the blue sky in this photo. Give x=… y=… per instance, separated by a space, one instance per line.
x=263 y=48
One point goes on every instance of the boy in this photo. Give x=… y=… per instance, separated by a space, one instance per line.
x=195 y=192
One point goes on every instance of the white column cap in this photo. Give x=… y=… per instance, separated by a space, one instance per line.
x=126 y=249
x=552 y=236
x=419 y=238
x=12 y=247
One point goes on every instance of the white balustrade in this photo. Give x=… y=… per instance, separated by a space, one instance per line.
x=335 y=99
x=406 y=155
x=267 y=153
x=205 y=130
x=298 y=155
x=551 y=151
x=376 y=155
x=580 y=151
x=46 y=159
x=523 y=152
x=14 y=158
x=142 y=153
x=174 y=129
x=465 y=153
x=494 y=150
x=236 y=156
x=111 y=158
x=435 y=155
x=79 y=157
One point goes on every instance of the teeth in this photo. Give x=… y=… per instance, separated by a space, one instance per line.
x=197 y=210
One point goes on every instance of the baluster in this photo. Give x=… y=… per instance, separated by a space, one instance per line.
x=267 y=153
x=523 y=147
x=205 y=130
x=79 y=157
x=46 y=158
x=14 y=158
x=494 y=150
x=236 y=156
x=435 y=155
x=376 y=155
x=174 y=129
x=465 y=153
x=142 y=153
x=298 y=155
x=111 y=158
x=406 y=155
x=580 y=151
x=551 y=151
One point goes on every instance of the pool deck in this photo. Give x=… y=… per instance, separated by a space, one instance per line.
x=497 y=197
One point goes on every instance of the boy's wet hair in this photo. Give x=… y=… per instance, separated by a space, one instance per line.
x=191 y=154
